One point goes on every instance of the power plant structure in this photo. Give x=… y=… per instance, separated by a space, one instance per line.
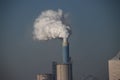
x=114 y=68
x=61 y=71
x=44 y=77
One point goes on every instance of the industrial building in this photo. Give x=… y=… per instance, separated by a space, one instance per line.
x=61 y=71
x=44 y=77
x=114 y=68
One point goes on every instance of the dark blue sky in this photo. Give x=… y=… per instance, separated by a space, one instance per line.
x=95 y=38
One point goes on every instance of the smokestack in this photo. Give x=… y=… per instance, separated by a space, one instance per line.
x=66 y=58
x=51 y=25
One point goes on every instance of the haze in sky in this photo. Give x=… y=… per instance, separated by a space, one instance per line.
x=95 y=38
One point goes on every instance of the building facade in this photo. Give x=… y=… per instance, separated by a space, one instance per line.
x=114 y=69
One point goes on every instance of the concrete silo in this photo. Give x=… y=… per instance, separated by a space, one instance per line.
x=62 y=71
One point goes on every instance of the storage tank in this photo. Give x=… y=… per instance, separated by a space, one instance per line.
x=44 y=76
x=62 y=72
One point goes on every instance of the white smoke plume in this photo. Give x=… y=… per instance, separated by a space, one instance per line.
x=51 y=24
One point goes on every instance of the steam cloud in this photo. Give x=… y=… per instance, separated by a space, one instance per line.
x=51 y=24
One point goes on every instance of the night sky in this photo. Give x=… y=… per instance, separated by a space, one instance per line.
x=95 y=38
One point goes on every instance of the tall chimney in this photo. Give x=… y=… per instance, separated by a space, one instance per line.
x=65 y=46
